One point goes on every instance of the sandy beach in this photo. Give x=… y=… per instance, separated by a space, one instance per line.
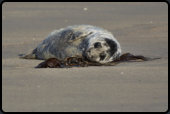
x=141 y=29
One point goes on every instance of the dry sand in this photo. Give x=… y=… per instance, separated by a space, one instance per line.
x=141 y=28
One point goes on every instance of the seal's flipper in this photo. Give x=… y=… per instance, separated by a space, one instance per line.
x=29 y=55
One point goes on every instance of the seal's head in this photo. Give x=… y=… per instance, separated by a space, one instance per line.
x=103 y=50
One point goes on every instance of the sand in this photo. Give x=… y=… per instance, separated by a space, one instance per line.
x=141 y=28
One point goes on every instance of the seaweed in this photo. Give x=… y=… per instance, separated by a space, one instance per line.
x=81 y=62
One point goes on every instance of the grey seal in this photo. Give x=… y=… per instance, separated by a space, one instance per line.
x=90 y=42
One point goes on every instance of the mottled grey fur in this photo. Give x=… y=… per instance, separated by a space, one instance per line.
x=90 y=42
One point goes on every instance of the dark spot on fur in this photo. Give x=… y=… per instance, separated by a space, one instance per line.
x=112 y=45
x=70 y=34
x=97 y=45
x=65 y=34
x=76 y=35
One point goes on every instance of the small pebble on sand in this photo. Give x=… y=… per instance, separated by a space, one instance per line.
x=85 y=9
x=122 y=73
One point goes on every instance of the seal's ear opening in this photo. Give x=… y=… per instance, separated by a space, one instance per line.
x=112 y=45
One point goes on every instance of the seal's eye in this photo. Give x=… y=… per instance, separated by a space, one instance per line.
x=102 y=56
x=97 y=45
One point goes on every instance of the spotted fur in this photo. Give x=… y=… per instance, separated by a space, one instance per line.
x=86 y=41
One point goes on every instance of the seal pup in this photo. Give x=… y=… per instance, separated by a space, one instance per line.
x=84 y=41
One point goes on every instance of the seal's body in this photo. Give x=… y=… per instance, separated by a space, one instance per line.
x=86 y=41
